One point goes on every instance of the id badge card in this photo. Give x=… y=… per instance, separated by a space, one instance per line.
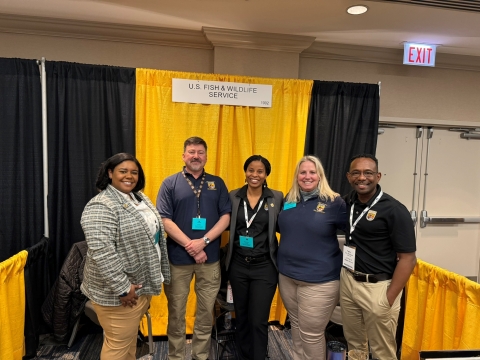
x=349 y=257
x=157 y=237
x=246 y=241
x=289 y=205
x=199 y=224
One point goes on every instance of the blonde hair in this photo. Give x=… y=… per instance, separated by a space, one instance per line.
x=325 y=192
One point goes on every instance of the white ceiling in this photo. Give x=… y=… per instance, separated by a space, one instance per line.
x=386 y=24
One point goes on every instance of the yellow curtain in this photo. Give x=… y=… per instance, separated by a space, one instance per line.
x=232 y=133
x=12 y=307
x=442 y=312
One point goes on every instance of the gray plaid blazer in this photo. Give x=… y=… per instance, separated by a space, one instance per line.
x=121 y=249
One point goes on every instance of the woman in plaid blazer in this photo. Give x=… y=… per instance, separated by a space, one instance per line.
x=127 y=256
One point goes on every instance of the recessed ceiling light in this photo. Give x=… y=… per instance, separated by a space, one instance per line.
x=357 y=9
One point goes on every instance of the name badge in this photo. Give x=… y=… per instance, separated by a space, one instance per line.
x=349 y=257
x=157 y=237
x=199 y=224
x=289 y=205
x=246 y=241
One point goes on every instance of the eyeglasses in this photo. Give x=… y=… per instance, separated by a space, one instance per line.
x=367 y=174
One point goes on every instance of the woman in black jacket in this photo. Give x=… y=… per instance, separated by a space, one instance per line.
x=252 y=256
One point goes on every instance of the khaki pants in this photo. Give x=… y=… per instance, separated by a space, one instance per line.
x=120 y=328
x=207 y=285
x=309 y=307
x=367 y=316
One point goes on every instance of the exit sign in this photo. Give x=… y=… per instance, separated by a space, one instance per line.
x=419 y=54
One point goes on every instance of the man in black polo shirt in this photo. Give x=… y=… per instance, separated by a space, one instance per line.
x=195 y=210
x=378 y=260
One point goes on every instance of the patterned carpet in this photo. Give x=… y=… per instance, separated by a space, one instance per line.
x=88 y=344
x=85 y=347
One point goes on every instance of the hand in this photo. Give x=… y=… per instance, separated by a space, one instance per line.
x=390 y=297
x=194 y=247
x=131 y=298
x=201 y=257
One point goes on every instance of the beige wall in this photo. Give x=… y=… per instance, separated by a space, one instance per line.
x=408 y=91
x=106 y=52
x=259 y=63
x=455 y=247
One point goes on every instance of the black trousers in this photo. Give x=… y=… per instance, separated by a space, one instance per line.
x=253 y=287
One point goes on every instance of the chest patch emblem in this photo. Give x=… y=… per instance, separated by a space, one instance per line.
x=371 y=215
x=265 y=207
x=211 y=185
x=320 y=207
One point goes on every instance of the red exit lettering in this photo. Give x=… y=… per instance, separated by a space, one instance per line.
x=419 y=55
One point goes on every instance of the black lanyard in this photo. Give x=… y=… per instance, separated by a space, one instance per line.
x=195 y=191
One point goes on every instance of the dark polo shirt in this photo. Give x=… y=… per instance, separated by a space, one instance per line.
x=378 y=240
x=176 y=201
x=308 y=249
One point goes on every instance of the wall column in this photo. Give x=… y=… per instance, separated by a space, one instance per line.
x=250 y=53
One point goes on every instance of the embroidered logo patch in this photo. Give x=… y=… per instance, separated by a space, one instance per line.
x=371 y=215
x=211 y=185
x=320 y=207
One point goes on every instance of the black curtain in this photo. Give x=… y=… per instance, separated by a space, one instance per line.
x=91 y=116
x=342 y=122
x=21 y=183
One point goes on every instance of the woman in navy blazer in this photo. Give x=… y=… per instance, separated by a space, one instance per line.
x=252 y=257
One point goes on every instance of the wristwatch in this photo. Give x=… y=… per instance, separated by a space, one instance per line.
x=207 y=240
x=124 y=294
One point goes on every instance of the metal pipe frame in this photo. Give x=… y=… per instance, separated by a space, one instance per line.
x=423 y=213
x=43 y=80
x=450 y=220
x=413 y=213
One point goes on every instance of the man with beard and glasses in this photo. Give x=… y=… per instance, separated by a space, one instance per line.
x=378 y=259
x=195 y=210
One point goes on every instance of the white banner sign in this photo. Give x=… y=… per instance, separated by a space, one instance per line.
x=220 y=92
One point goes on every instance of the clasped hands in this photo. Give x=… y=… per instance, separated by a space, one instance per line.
x=131 y=298
x=195 y=248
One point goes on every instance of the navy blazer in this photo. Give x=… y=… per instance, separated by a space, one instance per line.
x=275 y=204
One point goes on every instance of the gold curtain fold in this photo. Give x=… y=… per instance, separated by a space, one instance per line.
x=233 y=133
x=12 y=307
x=442 y=312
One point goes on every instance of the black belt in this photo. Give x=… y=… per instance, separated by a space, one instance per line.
x=369 y=278
x=253 y=259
